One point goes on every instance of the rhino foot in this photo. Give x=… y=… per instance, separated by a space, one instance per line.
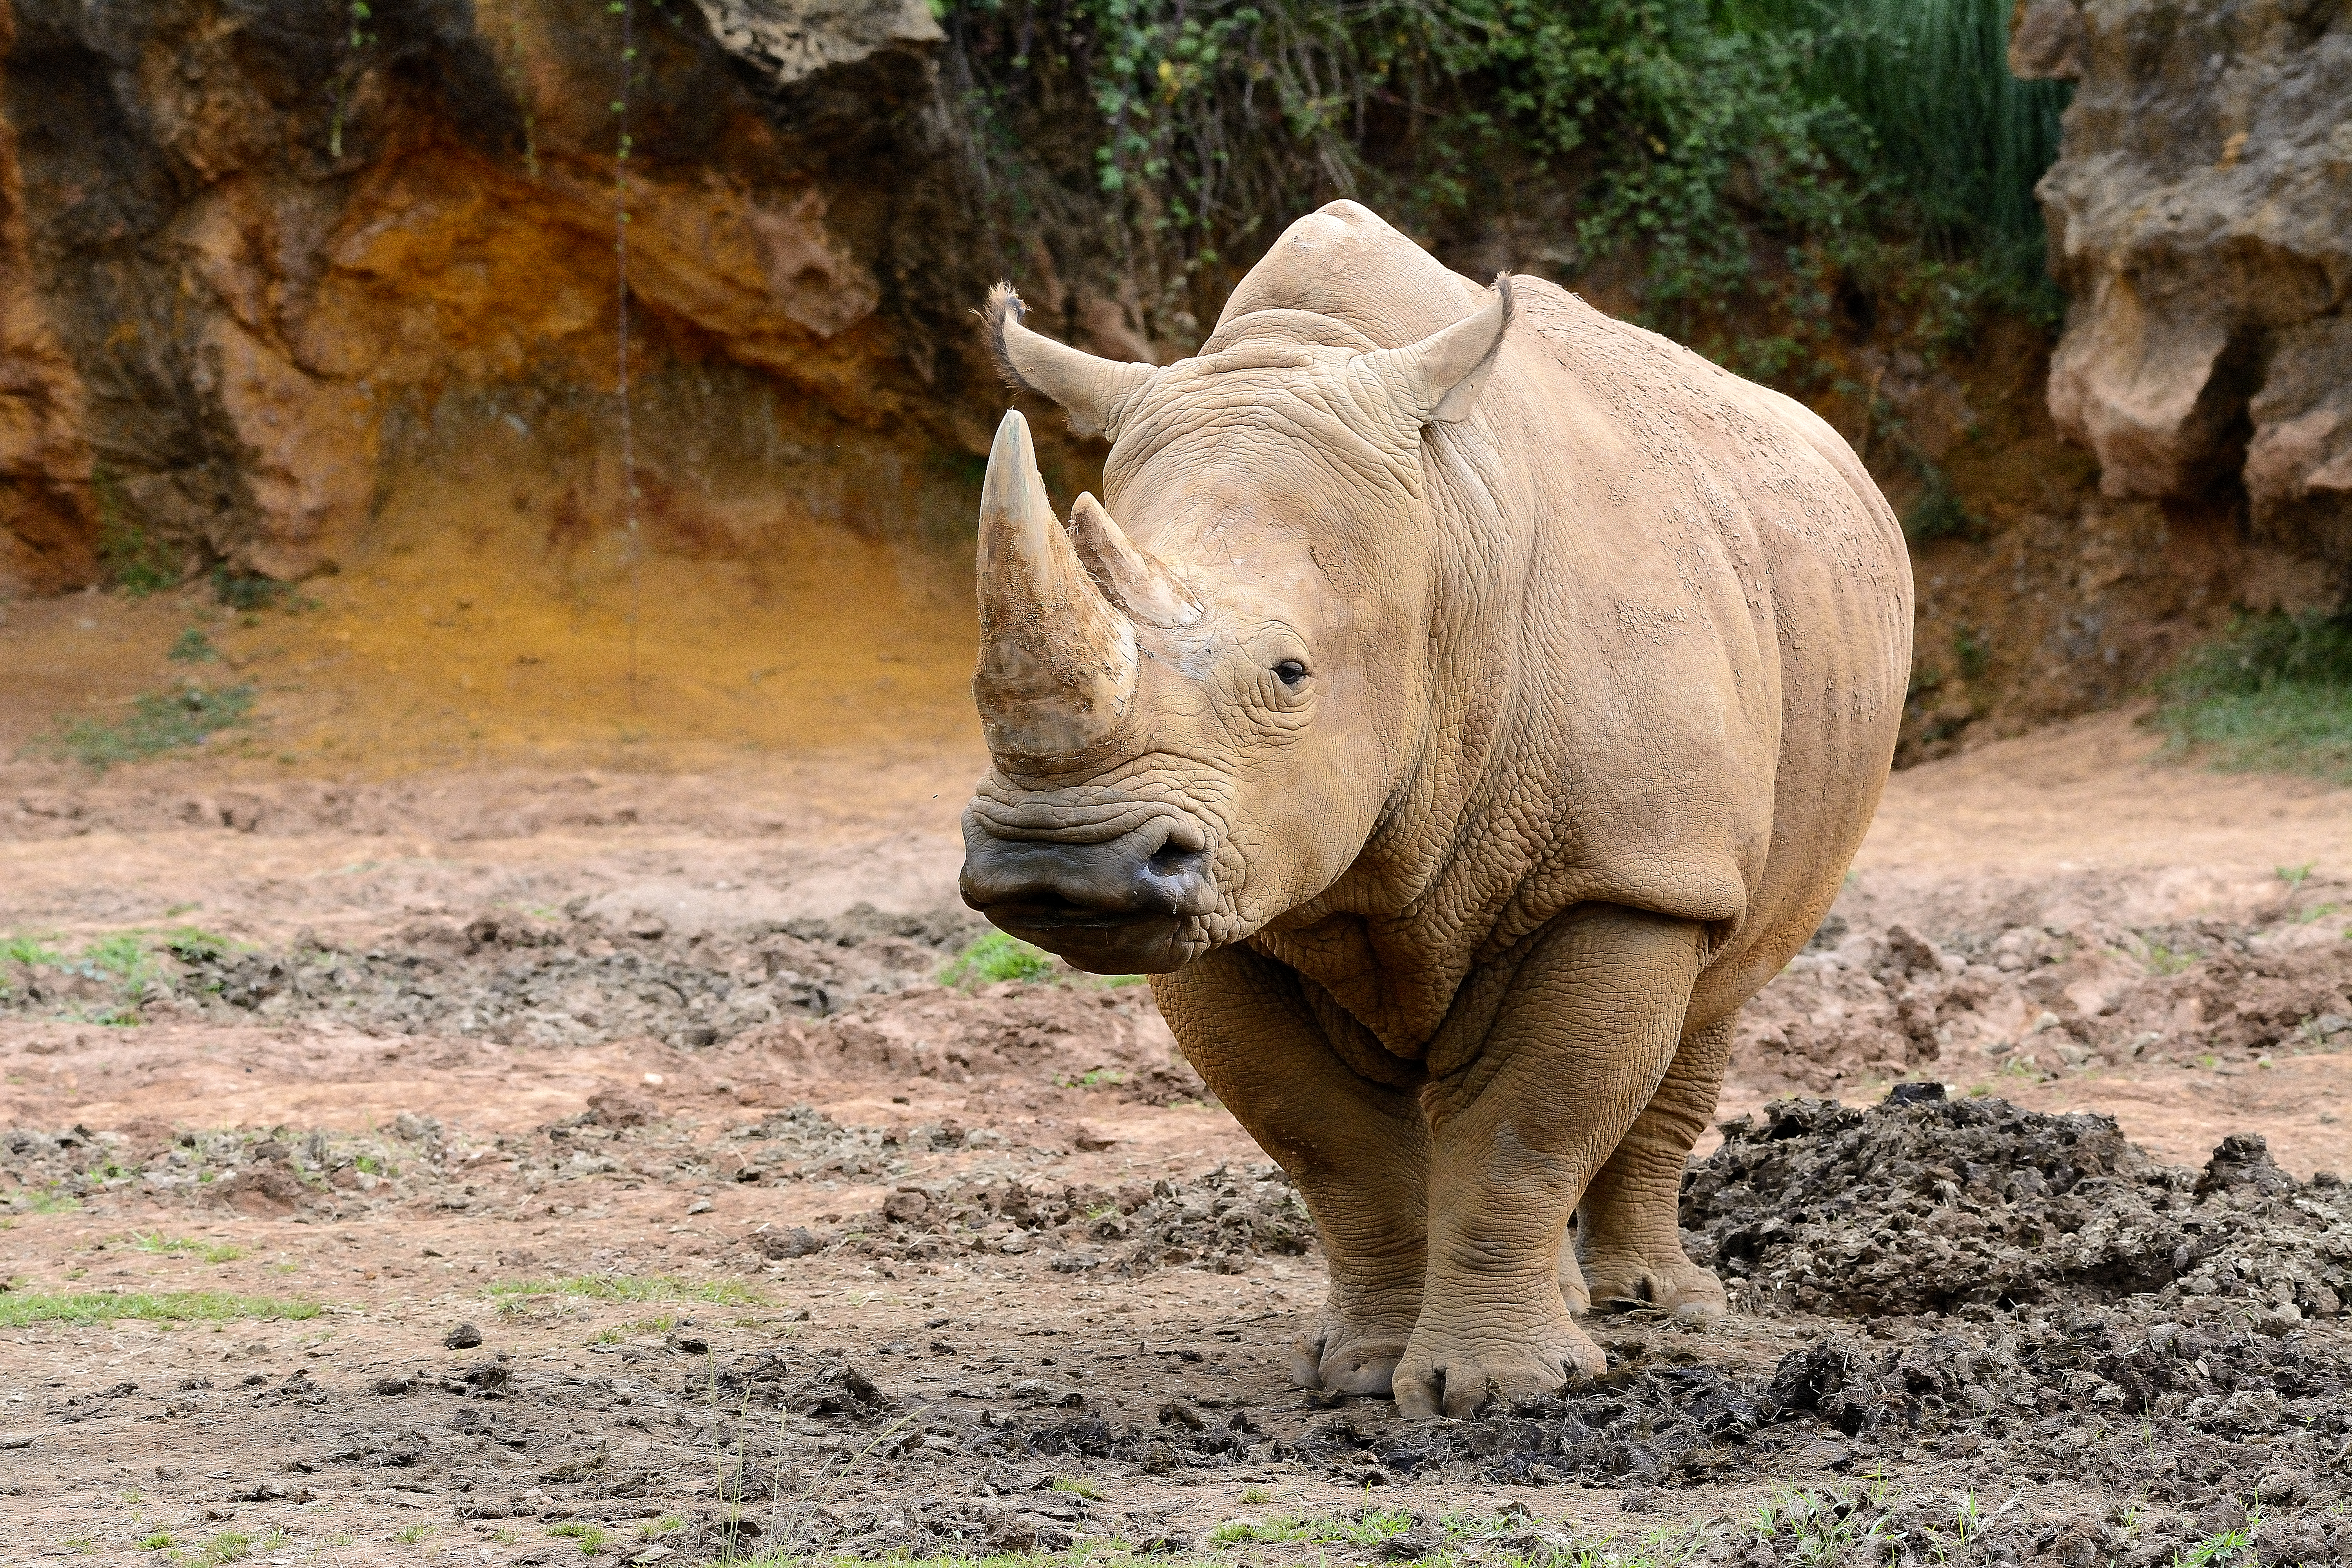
x=1348 y=1358
x=1437 y=1377
x=1674 y=1285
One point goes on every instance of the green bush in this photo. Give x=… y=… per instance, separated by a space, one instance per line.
x=1721 y=143
x=2273 y=694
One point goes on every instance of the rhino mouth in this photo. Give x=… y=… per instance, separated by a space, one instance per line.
x=1121 y=906
x=1098 y=944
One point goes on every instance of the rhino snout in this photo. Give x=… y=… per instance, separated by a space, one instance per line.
x=1116 y=907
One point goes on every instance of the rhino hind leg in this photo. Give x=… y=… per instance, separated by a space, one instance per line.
x=1358 y=1149
x=1628 y=1243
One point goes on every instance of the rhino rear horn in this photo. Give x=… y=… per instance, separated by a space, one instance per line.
x=1093 y=392
x=1437 y=380
x=1057 y=660
x=1135 y=581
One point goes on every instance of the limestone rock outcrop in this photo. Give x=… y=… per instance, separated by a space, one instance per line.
x=792 y=39
x=2200 y=218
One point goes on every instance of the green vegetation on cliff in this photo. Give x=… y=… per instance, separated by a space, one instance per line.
x=1715 y=155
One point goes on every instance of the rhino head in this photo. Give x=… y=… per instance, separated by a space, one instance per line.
x=1201 y=700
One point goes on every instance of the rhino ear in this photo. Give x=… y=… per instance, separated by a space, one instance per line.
x=1437 y=380
x=1092 y=392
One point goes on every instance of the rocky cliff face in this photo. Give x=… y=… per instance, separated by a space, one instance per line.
x=261 y=261
x=285 y=285
x=2201 y=215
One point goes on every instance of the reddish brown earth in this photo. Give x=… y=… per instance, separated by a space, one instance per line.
x=448 y=1041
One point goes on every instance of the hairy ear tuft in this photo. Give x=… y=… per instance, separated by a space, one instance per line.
x=1004 y=308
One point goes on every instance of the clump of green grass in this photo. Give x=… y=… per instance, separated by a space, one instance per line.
x=631 y=1288
x=159 y=721
x=190 y=944
x=176 y=1245
x=27 y=1201
x=122 y=955
x=247 y=591
x=591 y=1537
x=193 y=647
x=21 y=1309
x=2274 y=694
x=228 y=1546
x=28 y=950
x=1370 y=1528
x=997 y=956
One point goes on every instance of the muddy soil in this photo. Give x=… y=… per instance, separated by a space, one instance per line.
x=548 y=1164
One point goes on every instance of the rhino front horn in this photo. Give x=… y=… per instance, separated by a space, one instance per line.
x=1058 y=661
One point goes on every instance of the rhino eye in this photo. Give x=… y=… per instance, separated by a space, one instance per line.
x=1290 y=672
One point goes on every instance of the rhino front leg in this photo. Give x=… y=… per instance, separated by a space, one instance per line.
x=1627 y=1236
x=1358 y=1149
x=1573 y=1042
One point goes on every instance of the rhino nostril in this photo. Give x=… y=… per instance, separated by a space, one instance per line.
x=1173 y=860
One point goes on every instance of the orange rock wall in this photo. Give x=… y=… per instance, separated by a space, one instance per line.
x=255 y=276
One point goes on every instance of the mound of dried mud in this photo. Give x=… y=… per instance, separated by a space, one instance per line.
x=2042 y=999
x=1928 y=1204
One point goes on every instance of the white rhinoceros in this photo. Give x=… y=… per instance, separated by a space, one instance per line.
x=1474 y=701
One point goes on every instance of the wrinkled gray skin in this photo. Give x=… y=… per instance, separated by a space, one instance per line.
x=1473 y=701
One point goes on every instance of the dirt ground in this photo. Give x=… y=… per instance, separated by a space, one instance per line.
x=510 y=1163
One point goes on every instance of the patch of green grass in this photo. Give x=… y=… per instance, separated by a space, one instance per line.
x=210 y=1251
x=246 y=590
x=997 y=956
x=159 y=1541
x=193 y=647
x=228 y=1546
x=1370 y=1529
x=47 y=1201
x=122 y=955
x=1087 y=1554
x=192 y=945
x=410 y=1535
x=28 y=950
x=21 y=1309
x=2273 y=694
x=1077 y=1487
x=631 y=1288
x=159 y=721
x=2229 y=1546
x=591 y=1537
